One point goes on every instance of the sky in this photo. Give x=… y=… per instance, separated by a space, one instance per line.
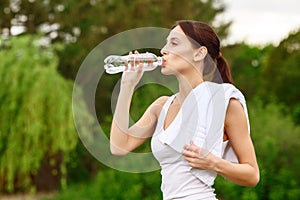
x=261 y=22
x=257 y=22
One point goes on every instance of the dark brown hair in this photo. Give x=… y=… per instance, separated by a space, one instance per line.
x=201 y=34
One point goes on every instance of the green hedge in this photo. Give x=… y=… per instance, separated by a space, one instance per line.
x=37 y=131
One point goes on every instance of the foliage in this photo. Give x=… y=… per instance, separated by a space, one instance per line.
x=97 y=20
x=277 y=138
x=82 y=25
x=36 y=123
x=115 y=185
x=246 y=64
x=281 y=74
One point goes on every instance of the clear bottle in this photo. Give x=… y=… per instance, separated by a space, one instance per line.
x=115 y=63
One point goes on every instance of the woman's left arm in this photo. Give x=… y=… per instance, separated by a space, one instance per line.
x=246 y=172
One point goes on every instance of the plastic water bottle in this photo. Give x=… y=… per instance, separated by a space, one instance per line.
x=115 y=63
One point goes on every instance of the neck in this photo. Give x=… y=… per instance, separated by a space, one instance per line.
x=186 y=84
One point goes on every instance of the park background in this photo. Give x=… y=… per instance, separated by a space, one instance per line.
x=42 y=46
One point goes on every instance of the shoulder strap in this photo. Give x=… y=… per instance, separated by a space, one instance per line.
x=163 y=113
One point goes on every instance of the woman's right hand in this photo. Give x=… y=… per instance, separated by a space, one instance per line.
x=130 y=76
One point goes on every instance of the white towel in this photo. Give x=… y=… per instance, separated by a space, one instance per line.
x=201 y=120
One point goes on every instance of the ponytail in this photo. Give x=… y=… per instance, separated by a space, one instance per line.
x=222 y=70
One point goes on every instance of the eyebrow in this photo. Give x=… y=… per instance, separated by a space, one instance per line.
x=172 y=38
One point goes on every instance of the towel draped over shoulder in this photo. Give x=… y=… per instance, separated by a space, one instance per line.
x=201 y=120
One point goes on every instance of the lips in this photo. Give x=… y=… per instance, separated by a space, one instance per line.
x=163 y=62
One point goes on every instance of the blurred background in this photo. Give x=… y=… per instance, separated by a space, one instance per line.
x=44 y=42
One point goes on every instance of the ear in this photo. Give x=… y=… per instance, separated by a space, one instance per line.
x=200 y=53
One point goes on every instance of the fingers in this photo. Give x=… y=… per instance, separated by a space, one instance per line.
x=192 y=147
x=191 y=151
x=195 y=151
x=138 y=62
x=135 y=64
x=188 y=153
x=133 y=69
x=126 y=63
x=192 y=156
x=198 y=157
x=149 y=62
x=131 y=61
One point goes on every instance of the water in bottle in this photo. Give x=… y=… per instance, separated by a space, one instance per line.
x=115 y=63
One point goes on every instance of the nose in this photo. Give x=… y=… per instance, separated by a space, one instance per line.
x=163 y=51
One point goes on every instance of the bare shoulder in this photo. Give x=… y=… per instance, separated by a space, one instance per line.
x=235 y=107
x=157 y=105
x=236 y=119
x=161 y=100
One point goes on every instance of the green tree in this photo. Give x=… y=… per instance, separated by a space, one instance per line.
x=85 y=24
x=281 y=75
x=111 y=184
x=246 y=64
x=276 y=138
x=37 y=131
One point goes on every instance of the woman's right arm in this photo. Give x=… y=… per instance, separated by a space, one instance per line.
x=122 y=138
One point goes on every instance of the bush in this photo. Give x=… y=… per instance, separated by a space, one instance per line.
x=116 y=185
x=37 y=131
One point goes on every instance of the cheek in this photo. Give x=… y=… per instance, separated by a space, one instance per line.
x=183 y=53
x=180 y=60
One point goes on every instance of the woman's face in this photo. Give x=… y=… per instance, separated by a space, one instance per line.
x=178 y=53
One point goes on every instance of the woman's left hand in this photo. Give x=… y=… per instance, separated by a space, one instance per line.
x=199 y=158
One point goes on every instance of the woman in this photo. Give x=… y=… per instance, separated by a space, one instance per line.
x=201 y=131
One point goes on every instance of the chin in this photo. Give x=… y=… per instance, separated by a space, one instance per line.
x=166 y=71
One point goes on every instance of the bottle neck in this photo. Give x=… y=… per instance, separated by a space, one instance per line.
x=159 y=60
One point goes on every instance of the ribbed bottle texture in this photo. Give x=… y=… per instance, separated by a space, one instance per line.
x=114 y=63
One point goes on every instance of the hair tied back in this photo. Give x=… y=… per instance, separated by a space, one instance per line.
x=219 y=55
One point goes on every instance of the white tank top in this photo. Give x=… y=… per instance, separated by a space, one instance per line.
x=201 y=114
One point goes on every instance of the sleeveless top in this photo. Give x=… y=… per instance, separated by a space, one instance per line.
x=201 y=120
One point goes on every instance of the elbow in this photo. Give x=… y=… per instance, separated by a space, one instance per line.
x=117 y=151
x=253 y=181
x=255 y=178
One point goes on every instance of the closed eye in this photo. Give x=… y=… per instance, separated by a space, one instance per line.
x=173 y=43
